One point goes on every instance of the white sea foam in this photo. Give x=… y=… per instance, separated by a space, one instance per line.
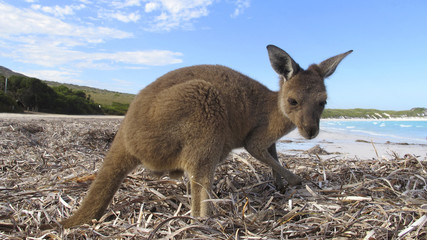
x=394 y=131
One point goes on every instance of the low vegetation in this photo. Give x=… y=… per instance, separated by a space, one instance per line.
x=99 y=96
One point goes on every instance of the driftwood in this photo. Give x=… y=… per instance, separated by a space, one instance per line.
x=47 y=165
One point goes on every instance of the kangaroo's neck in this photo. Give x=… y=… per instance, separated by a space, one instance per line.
x=278 y=123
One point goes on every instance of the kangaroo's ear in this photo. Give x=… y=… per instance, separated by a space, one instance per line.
x=328 y=66
x=281 y=62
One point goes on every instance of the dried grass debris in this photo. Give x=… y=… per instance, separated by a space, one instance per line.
x=47 y=165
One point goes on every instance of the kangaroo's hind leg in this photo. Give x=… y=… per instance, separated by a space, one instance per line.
x=200 y=169
x=201 y=185
x=200 y=157
x=203 y=133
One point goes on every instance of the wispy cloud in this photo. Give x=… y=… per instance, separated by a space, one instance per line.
x=19 y=22
x=175 y=14
x=122 y=16
x=130 y=17
x=50 y=54
x=241 y=5
x=59 y=11
x=61 y=75
x=126 y=3
x=33 y=37
x=66 y=36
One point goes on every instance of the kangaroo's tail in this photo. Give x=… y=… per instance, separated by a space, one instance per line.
x=117 y=164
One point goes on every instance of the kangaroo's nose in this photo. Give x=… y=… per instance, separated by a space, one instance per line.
x=311 y=132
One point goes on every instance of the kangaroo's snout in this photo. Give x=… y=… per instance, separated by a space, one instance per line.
x=309 y=132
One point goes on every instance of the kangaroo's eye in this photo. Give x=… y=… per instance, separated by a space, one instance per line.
x=292 y=101
x=323 y=103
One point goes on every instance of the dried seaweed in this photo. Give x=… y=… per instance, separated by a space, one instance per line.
x=47 y=165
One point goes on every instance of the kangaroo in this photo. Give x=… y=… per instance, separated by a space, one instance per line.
x=190 y=119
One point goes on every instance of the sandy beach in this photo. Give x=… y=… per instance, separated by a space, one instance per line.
x=352 y=146
x=39 y=116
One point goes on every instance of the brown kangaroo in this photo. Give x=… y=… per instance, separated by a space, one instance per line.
x=190 y=119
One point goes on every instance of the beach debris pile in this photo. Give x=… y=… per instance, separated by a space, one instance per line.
x=316 y=150
x=47 y=165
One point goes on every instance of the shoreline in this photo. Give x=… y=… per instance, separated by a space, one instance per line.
x=53 y=115
x=373 y=119
x=346 y=145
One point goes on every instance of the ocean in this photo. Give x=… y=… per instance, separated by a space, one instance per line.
x=410 y=131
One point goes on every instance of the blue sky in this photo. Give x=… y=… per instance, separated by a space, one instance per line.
x=123 y=45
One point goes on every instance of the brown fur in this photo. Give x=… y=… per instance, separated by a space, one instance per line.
x=191 y=118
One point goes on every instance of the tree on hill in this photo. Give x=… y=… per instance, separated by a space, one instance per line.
x=33 y=94
x=8 y=104
x=74 y=102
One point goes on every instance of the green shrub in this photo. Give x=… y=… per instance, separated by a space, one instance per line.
x=8 y=104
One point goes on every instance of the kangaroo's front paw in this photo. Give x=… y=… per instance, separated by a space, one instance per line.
x=295 y=180
x=278 y=184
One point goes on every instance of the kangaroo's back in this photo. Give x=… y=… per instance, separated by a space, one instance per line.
x=225 y=78
x=244 y=99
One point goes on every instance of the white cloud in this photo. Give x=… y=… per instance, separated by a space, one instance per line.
x=123 y=17
x=151 y=6
x=31 y=37
x=85 y=1
x=175 y=14
x=62 y=75
x=50 y=55
x=151 y=57
x=126 y=3
x=19 y=22
x=58 y=11
x=241 y=5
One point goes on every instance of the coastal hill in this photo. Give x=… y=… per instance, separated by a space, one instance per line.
x=24 y=93
x=99 y=96
x=7 y=72
x=117 y=103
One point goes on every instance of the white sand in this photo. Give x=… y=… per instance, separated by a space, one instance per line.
x=347 y=145
x=48 y=115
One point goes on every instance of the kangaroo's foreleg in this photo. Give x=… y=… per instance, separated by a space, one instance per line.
x=117 y=164
x=265 y=157
x=264 y=154
x=276 y=175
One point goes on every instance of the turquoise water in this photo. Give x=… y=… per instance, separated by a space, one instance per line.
x=390 y=130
